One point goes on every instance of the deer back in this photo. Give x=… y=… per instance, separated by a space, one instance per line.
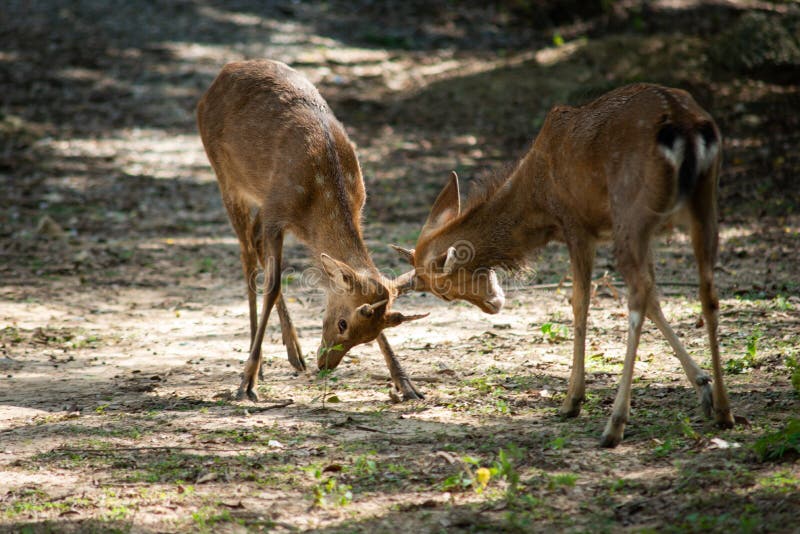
x=275 y=144
x=642 y=146
x=277 y=148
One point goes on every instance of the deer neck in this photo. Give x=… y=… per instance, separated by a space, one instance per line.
x=337 y=208
x=344 y=242
x=512 y=223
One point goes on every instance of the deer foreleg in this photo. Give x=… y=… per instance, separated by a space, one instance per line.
x=582 y=259
x=289 y=334
x=396 y=371
x=273 y=242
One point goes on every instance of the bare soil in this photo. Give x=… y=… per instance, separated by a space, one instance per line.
x=123 y=314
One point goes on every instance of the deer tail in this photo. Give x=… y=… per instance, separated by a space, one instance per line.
x=691 y=150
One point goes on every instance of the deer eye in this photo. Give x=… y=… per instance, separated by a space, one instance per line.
x=342 y=324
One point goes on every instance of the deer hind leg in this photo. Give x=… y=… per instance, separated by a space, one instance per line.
x=396 y=371
x=288 y=332
x=257 y=240
x=273 y=250
x=705 y=239
x=582 y=258
x=239 y=215
x=697 y=377
x=632 y=254
x=289 y=335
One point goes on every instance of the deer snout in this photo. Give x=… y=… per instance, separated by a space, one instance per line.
x=330 y=357
x=493 y=305
x=497 y=297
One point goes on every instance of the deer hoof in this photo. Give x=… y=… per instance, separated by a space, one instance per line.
x=570 y=408
x=296 y=359
x=615 y=429
x=252 y=395
x=410 y=393
x=246 y=392
x=609 y=441
x=724 y=418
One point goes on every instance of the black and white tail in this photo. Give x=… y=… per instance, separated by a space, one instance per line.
x=690 y=150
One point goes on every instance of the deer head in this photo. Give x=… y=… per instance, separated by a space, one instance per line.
x=444 y=263
x=358 y=309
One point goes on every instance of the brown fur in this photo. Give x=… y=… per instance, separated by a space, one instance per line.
x=277 y=148
x=619 y=169
x=482 y=189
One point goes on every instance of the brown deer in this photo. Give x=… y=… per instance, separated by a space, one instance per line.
x=619 y=168
x=284 y=163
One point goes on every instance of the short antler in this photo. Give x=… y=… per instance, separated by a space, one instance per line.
x=405 y=253
x=367 y=310
x=405 y=283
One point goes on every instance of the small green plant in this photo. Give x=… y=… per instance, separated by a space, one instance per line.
x=364 y=466
x=563 y=480
x=735 y=366
x=752 y=345
x=206 y=517
x=782 y=303
x=461 y=481
x=206 y=265
x=324 y=374
x=473 y=475
x=557 y=443
x=480 y=383
x=501 y=405
x=328 y=491
x=12 y=334
x=617 y=485
x=781 y=482
x=665 y=448
x=119 y=512
x=686 y=428
x=553 y=333
x=505 y=468
x=779 y=444
x=793 y=364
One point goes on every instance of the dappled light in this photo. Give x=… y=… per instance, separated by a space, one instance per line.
x=123 y=312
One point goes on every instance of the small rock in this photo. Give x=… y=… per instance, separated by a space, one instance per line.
x=49 y=228
x=206 y=477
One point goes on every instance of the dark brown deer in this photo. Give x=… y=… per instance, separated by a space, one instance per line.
x=619 y=168
x=284 y=163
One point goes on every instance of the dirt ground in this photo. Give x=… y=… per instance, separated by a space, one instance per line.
x=124 y=322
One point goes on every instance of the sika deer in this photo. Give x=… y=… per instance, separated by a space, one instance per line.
x=619 y=168
x=284 y=163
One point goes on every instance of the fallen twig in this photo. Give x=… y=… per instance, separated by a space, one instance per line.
x=282 y=404
x=135 y=449
x=421 y=378
x=614 y=283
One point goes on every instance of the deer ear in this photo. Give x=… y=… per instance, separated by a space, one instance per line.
x=341 y=275
x=447 y=204
x=397 y=318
